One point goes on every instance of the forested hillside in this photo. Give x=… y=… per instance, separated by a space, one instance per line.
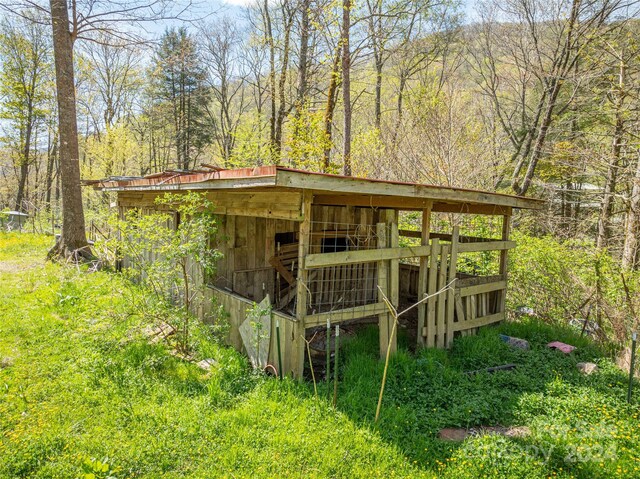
x=518 y=96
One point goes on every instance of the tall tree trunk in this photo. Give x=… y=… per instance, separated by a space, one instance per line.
x=303 y=65
x=561 y=67
x=527 y=142
x=52 y=152
x=540 y=140
x=22 y=183
x=73 y=236
x=272 y=82
x=282 y=83
x=378 y=99
x=632 y=229
x=24 y=164
x=400 y=108
x=346 y=87
x=606 y=209
x=331 y=106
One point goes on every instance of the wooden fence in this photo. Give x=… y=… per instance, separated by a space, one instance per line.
x=471 y=302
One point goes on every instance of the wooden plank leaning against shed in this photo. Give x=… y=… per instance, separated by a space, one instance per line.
x=441 y=326
x=432 y=286
x=302 y=289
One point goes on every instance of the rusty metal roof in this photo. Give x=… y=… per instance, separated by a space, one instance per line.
x=277 y=176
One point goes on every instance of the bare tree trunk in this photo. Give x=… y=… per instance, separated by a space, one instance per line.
x=606 y=208
x=303 y=66
x=282 y=83
x=331 y=105
x=400 y=108
x=632 y=229
x=52 y=152
x=272 y=80
x=24 y=165
x=378 y=99
x=540 y=140
x=346 y=87
x=527 y=142
x=73 y=236
x=22 y=180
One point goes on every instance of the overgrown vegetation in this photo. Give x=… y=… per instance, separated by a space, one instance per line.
x=563 y=280
x=85 y=394
x=168 y=250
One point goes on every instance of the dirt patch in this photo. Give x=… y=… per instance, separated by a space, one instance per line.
x=17 y=266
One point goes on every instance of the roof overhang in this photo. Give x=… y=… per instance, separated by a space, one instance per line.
x=327 y=188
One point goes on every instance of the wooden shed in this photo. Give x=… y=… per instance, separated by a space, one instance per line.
x=330 y=248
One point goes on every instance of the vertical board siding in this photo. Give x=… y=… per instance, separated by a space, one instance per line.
x=237 y=307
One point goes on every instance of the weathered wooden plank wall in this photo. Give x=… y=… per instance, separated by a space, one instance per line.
x=249 y=223
x=247 y=245
x=276 y=204
x=237 y=307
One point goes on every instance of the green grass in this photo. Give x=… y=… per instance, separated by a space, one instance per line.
x=85 y=393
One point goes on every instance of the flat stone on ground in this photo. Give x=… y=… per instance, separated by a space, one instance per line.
x=587 y=368
x=206 y=364
x=460 y=434
x=453 y=434
x=6 y=362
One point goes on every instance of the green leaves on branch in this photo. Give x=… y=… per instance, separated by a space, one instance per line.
x=169 y=250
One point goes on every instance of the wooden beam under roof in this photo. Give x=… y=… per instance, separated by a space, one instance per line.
x=337 y=184
x=402 y=203
x=333 y=189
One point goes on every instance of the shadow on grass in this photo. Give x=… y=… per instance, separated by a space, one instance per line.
x=574 y=420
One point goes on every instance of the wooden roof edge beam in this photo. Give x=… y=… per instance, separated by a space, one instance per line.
x=353 y=186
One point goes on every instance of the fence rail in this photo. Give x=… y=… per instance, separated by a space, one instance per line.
x=472 y=302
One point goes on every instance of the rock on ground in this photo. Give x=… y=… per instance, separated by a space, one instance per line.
x=587 y=368
x=6 y=363
x=206 y=364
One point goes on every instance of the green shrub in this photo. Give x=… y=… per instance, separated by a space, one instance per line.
x=559 y=280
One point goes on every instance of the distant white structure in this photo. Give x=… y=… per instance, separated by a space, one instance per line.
x=13 y=220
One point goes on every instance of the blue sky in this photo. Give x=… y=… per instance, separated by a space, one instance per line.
x=234 y=7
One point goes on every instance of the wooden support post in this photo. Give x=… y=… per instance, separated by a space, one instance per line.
x=297 y=359
x=383 y=285
x=504 y=262
x=453 y=259
x=432 y=287
x=394 y=275
x=423 y=274
x=231 y=245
